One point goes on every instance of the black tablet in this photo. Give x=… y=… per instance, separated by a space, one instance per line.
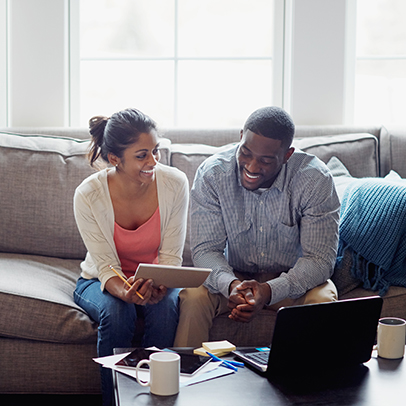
x=189 y=363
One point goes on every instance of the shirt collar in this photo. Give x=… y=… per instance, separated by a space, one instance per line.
x=280 y=179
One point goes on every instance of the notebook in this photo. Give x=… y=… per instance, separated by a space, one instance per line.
x=321 y=336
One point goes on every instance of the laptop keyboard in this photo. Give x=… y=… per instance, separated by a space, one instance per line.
x=260 y=357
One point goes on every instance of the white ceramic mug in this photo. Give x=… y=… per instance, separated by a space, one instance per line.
x=164 y=371
x=391 y=337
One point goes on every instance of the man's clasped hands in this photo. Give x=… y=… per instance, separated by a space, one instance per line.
x=247 y=298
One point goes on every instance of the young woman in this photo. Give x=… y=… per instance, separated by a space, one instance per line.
x=132 y=212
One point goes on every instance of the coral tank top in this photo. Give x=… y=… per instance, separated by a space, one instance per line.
x=138 y=246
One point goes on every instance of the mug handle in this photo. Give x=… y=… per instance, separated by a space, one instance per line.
x=142 y=362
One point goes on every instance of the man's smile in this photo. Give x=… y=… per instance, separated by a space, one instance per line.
x=251 y=176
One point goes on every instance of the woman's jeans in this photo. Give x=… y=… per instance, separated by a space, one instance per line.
x=117 y=322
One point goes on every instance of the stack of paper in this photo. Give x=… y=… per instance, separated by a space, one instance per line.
x=218 y=348
x=209 y=371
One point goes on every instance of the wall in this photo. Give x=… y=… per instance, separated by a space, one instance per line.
x=323 y=61
x=38 y=90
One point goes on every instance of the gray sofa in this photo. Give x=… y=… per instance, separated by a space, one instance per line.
x=47 y=342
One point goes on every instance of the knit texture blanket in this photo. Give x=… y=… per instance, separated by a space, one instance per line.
x=373 y=225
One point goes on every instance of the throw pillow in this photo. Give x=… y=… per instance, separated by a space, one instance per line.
x=394 y=176
x=342 y=178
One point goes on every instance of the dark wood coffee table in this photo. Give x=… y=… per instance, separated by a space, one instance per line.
x=376 y=383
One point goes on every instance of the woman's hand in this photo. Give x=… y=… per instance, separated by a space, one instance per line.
x=139 y=287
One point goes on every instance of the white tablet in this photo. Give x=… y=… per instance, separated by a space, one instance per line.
x=173 y=276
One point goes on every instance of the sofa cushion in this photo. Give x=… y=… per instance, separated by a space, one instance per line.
x=37 y=367
x=36 y=296
x=342 y=276
x=348 y=148
x=393 y=304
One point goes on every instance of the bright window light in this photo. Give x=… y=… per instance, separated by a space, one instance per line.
x=380 y=83
x=188 y=63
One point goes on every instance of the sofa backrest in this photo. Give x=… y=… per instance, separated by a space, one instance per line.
x=346 y=147
x=358 y=152
x=39 y=176
x=40 y=173
x=393 y=150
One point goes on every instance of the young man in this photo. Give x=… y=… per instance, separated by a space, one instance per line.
x=265 y=219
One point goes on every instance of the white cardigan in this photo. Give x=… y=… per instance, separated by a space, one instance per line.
x=95 y=220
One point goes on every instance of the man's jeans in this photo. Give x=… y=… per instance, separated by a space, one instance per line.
x=117 y=322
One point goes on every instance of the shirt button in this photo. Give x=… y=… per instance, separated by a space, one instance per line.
x=262 y=254
x=260 y=229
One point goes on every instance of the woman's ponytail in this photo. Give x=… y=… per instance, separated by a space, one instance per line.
x=97 y=125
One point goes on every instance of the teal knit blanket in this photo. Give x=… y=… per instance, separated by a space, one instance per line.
x=373 y=224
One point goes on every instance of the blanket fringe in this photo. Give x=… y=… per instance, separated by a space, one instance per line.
x=370 y=275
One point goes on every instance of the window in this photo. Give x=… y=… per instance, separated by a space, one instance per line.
x=380 y=83
x=189 y=63
x=194 y=63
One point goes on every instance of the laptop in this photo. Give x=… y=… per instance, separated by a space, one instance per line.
x=318 y=337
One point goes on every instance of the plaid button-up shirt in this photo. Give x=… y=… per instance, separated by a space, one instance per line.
x=289 y=230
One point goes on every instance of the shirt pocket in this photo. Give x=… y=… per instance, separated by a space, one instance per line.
x=240 y=233
x=288 y=240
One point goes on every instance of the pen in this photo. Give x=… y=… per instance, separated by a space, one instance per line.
x=125 y=281
x=228 y=364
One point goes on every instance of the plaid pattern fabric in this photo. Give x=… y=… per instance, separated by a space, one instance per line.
x=290 y=229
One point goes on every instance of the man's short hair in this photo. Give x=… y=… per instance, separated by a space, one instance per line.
x=272 y=122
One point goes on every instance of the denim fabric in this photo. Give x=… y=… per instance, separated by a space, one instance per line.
x=117 y=320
